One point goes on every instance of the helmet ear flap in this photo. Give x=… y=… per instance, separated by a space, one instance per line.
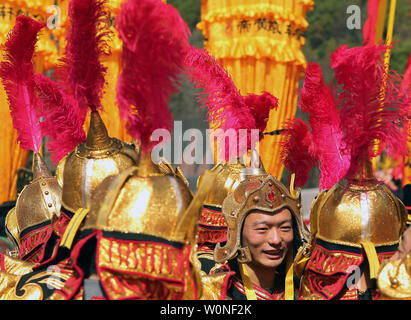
x=244 y=255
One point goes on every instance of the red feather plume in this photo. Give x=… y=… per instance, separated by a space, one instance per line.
x=155 y=39
x=82 y=70
x=295 y=150
x=318 y=100
x=226 y=107
x=360 y=73
x=62 y=119
x=16 y=71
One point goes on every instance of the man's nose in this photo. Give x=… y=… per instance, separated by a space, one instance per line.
x=274 y=237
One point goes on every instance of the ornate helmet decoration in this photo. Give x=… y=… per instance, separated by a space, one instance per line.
x=228 y=111
x=354 y=215
x=29 y=223
x=146 y=208
x=89 y=163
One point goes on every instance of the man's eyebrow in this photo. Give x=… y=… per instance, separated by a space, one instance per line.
x=265 y=222
x=258 y=222
x=286 y=220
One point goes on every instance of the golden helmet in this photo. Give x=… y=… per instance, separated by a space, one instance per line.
x=89 y=163
x=358 y=210
x=257 y=191
x=37 y=203
x=212 y=224
x=227 y=180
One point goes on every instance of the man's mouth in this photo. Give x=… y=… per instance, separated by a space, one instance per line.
x=274 y=254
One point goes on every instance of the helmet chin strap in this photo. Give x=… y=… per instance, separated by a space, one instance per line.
x=289 y=276
x=248 y=285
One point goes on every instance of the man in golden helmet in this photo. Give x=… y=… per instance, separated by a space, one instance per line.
x=265 y=231
x=356 y=221
x=230 y=114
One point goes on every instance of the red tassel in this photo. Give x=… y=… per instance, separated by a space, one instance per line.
x=226 y=107
x=360 y=73
x=17 y=72
x=155 y=39
x=295 y=152
x=82 y=69
x=319 y=101
x=62 y=119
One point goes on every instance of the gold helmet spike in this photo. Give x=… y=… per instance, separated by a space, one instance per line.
x=97 y=136
x=40 y=168
x=256 y=167
x=84 y=168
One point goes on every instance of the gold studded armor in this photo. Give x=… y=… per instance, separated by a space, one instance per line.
x=29 y=223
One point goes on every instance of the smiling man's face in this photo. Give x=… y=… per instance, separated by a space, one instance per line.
x=269 y=236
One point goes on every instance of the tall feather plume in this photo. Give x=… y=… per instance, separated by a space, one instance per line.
x=62 y=119
x=367 y=116
x=226 y=107
x=295 y=150
x=17 y=72
x=319 y=101
x=155 y=39
x=86 y=43
x=347 y=121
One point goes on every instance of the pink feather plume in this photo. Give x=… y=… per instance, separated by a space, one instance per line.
x=226 y=107
x=62 y=119
x=360 y=73
x=155 y=39
x=17 y=72
x=295 y=150
x=319 y=101
x=86 y=43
